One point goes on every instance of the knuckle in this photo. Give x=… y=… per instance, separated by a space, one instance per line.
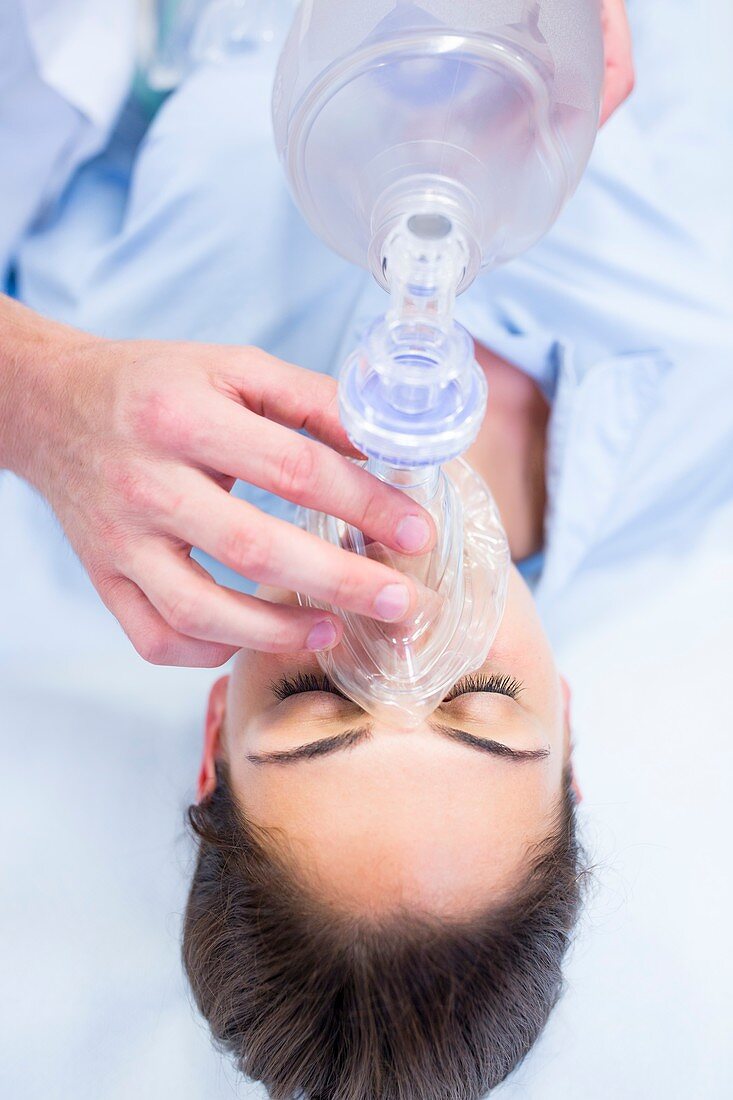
x=281 y=639
x=185 y=613
x=297 y=471
x=115 y=545
x=160 y=418
x=211 y=657
x=153 y=645
x=233 y=366
x=249 y=354
x=345 y=590
x=246 y=552
x=325 y=405
x=134 y=485
x=111 y=586
x=372 y=510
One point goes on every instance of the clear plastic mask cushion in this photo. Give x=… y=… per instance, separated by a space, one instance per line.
x=400 y=672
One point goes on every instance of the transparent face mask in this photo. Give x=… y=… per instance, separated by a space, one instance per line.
x=400 y=672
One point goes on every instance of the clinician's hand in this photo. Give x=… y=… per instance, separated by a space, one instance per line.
x=136 y=445
x=619 y=79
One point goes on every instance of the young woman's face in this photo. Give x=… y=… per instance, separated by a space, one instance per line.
x=442 y=817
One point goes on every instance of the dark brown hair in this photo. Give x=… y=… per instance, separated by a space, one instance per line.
x=324 y=1006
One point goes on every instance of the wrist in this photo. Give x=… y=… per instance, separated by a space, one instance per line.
x=35 y=357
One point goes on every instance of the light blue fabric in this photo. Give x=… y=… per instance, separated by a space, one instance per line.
x=622 y=314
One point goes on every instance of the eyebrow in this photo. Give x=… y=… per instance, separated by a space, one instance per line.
x=349 y=738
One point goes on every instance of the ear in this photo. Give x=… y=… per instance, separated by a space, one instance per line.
x=212 y=733
x=567 y=696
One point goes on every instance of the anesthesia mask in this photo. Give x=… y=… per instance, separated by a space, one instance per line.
x=427 y=141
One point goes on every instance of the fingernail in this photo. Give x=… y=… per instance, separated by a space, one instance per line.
x=392 y=602
x=322 y=636
x=413 y=533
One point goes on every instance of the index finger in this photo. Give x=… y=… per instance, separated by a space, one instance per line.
x=249 y=447
x=289 y=395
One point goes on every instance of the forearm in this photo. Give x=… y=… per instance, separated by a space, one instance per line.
x=34 y=352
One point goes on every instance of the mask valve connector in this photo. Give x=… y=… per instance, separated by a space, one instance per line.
x=412 y=394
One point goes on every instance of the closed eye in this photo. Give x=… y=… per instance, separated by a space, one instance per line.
x=303 y=682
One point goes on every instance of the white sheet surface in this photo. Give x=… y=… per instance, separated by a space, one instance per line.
x=99 y=754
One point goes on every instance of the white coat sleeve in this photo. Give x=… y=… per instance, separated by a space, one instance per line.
x=65 y=68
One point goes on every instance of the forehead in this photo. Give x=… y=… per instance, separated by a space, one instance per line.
x=398 y=774
x=405 y=826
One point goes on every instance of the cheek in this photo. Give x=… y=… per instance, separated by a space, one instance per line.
x=522 y=649
x=521 y=639
x=252 y=674
x=244 y=697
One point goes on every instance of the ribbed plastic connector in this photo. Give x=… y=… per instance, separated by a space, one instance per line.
x=412 y=393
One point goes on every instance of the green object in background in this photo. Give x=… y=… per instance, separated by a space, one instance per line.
x=160 y=64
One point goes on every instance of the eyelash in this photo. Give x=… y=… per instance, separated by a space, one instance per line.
x=302 y=682
x=499 y=685
x=311 y=681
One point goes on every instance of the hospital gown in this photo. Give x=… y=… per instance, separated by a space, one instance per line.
x=184 y=229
